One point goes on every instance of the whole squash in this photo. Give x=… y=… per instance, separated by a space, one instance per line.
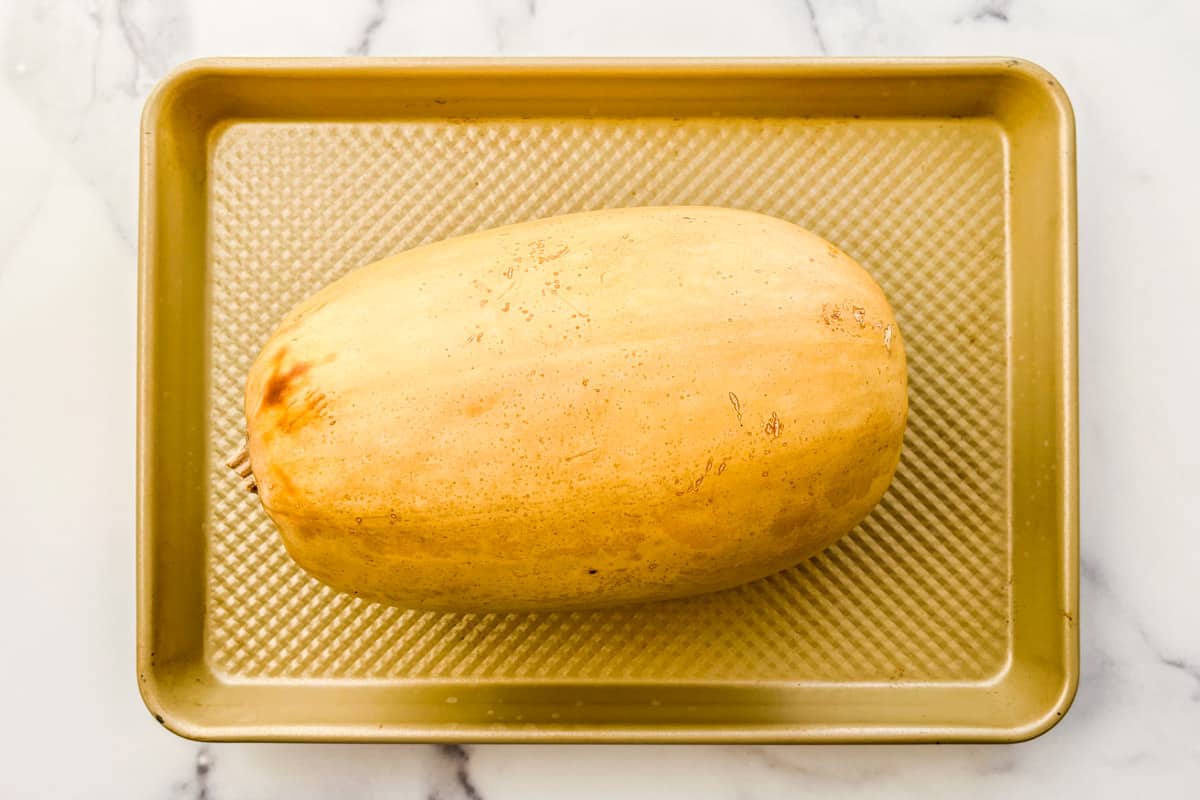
x=586 y=410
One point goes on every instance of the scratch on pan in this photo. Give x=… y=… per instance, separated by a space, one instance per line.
x=737 y=406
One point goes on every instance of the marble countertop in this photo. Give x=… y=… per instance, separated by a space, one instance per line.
x=73 y=76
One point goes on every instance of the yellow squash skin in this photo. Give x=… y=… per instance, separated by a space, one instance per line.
x=587 y=410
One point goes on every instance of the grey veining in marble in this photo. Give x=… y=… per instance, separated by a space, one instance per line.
x=377 y=18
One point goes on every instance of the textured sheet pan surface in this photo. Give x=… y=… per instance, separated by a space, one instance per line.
x=918 y=592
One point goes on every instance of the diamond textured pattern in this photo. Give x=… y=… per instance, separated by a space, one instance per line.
x=919 y=592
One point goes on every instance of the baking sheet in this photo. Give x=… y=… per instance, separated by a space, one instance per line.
x=949 y=614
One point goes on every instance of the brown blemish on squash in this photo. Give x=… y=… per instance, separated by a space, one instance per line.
x=280 y=382
x=737 y=406
x=312 y=407
x=773 y=427
x=537 y=249
x=849 y=319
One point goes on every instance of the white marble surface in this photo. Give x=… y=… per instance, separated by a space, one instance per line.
x=73 y=75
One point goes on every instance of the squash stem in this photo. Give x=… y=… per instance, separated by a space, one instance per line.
x=239 y=462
